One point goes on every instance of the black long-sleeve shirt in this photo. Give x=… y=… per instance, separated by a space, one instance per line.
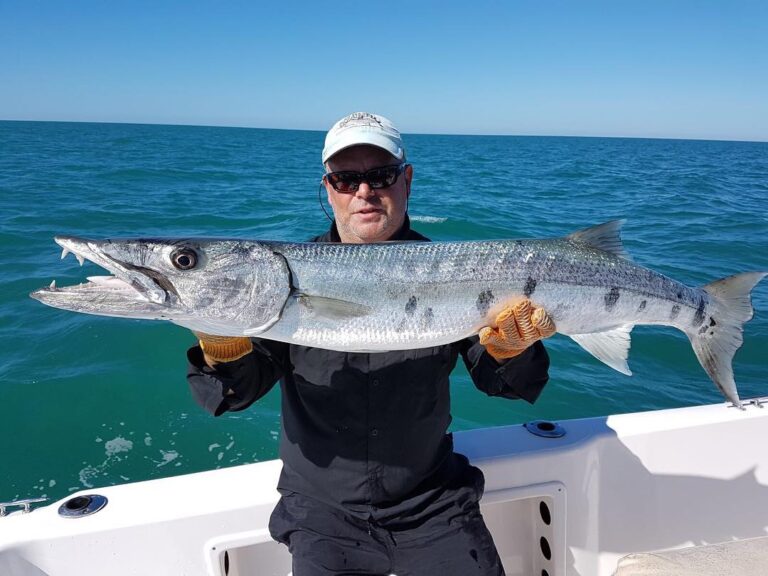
x=364 y=431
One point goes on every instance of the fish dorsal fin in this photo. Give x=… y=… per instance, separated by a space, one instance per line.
x=606 y=237
x=611 y=347
x=333 y=307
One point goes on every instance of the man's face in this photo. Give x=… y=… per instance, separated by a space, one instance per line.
x=368 y=215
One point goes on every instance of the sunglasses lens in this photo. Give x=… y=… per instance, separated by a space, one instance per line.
x=382 y=177
x=344 y=181
x=376 y=178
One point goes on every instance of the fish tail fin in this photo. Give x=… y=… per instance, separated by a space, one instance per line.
x=719 y=336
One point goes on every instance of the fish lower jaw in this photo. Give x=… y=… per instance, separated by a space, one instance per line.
x=110 y=286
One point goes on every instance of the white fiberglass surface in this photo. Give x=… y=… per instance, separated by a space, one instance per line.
x=612 y=486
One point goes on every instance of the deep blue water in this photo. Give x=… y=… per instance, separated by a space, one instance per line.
x=89 y=401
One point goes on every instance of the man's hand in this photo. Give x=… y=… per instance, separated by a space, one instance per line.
x=517 y=328
x=223 y=348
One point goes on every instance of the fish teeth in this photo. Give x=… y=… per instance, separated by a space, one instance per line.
x=66 y=251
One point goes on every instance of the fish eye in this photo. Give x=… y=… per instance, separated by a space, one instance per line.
x=184 y=258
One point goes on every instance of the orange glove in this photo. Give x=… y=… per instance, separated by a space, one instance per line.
x=223 y=348
x=517 y=328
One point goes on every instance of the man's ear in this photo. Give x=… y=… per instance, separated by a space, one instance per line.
x=408 y=178
x=327 y=190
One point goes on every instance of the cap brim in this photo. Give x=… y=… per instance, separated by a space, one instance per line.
x=360 y=139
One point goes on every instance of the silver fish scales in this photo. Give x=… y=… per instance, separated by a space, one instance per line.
x=404 y=295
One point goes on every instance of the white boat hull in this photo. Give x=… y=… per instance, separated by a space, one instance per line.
x=611 y=486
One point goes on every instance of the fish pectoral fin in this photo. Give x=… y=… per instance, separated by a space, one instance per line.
x=333 y=307
x=611 y=347
x=606 y=237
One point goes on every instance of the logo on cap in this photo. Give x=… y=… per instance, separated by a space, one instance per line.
x=364 y=118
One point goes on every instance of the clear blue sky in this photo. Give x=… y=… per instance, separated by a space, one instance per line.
x=686 y=68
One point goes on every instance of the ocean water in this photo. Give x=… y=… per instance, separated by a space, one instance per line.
x=89 y=401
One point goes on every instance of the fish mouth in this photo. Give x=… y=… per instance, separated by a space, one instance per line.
x=131 y=290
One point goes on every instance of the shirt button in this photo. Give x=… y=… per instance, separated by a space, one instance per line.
x=374 y=432
x=375 y=382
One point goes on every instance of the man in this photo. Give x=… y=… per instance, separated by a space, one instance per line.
x=370 y=483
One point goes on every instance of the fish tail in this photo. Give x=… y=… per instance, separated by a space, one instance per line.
x=718 y=333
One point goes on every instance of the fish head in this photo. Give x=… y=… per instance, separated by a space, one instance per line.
x=216 y=286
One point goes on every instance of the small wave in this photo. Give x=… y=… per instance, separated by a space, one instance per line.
x=428 y=219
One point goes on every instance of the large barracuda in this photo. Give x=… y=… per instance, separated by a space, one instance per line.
x=404 y=295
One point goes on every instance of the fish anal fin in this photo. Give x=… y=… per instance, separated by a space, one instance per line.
x=611 y=347
x=606 y=237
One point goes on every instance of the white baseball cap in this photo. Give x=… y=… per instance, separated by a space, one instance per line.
x=363 y=128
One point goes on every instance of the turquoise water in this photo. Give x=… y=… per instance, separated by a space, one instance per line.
x=89 y=401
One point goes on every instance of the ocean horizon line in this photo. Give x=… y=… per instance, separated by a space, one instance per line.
x=449 y=134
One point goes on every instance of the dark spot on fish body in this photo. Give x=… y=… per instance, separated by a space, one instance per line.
x=530 y=287
x=675 y=312
x=698 y=317
x=484 y=301
x=642 y=306
x=611 y=298
x=410 y=306
x=241 y=250
x=427 y=318
x=708 y=327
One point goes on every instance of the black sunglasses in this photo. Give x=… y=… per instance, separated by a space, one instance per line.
x=347 y=181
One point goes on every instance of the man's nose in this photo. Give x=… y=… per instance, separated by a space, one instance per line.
x=365 y=190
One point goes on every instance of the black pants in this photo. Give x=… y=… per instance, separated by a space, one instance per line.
x=450 y=540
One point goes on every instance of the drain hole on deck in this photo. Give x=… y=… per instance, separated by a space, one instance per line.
x=78 y=503
x=544 y=511
x=545 y=548
x=82 y=506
